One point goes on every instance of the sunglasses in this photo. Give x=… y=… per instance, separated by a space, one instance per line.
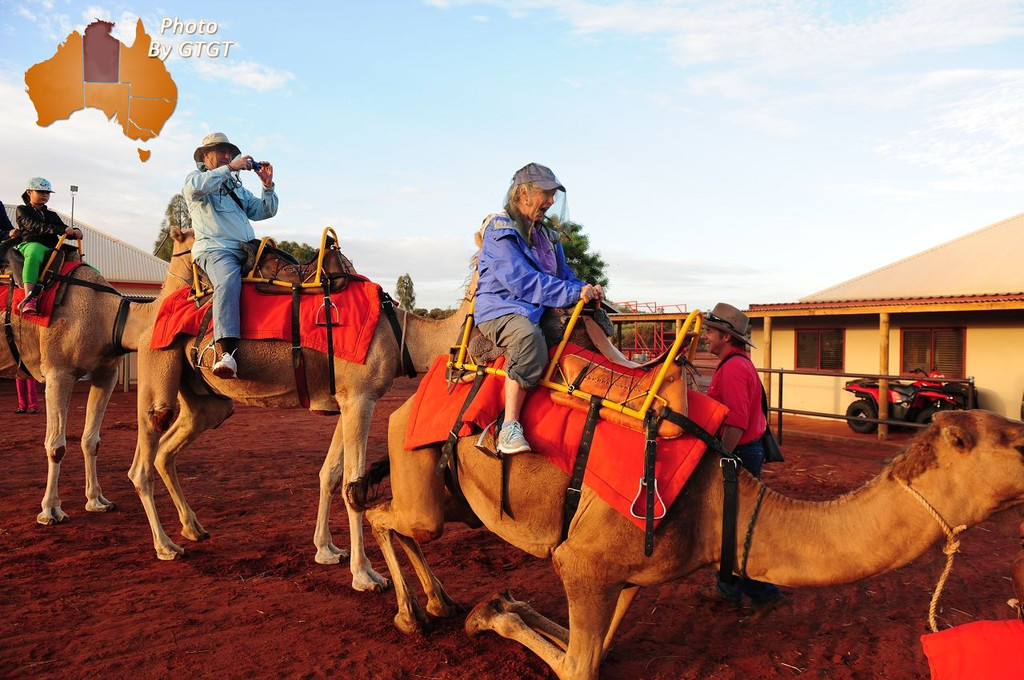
x=713 y=318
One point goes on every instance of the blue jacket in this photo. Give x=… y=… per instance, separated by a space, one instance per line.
x=511 y=278
x=219 y=222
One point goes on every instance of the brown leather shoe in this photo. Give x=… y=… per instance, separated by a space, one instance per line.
x=713 y=594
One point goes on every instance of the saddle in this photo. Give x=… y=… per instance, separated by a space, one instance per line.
x=12 y=263
x=276 y=272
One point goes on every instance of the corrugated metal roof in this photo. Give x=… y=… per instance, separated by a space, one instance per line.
x=116 y=260
x=985 y=262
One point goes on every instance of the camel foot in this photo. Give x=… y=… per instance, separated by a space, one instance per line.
x=484 y=615
x=52 y=516
x=369 y=581
x=170 y=552
x=410 y=625
x=196 y=533
x=330 y=554
x=100 y=504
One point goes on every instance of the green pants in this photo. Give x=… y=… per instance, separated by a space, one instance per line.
x=35 y=256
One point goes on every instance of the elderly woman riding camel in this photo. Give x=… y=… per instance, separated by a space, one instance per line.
x=523 y=270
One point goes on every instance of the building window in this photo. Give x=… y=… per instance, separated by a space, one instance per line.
x=934 y=349
x=819 y=350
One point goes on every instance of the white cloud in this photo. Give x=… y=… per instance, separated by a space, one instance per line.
x=248 y=74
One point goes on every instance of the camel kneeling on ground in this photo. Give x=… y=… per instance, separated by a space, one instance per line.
x=962 y=469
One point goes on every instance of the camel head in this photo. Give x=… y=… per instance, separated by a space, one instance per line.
x=963 y=449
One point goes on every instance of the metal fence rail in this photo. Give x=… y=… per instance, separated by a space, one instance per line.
x=779 y=410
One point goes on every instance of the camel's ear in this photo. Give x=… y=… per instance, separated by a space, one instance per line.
x=959 y=438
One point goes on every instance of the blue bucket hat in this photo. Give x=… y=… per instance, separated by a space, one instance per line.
x=538 y=175
x=39 y=184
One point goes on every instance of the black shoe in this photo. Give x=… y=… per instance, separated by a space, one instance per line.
x=19 y=410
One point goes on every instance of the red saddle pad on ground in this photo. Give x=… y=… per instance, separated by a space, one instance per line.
x=981 y=650
x=44 y=305
x=616 y=459
x=269 y=317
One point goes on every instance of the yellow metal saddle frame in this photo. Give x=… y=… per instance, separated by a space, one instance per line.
x=44 y=272
x=690 y=327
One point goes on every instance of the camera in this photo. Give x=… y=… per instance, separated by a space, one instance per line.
x=255 y=165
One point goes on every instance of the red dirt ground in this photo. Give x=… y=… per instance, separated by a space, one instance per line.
x=90 y=599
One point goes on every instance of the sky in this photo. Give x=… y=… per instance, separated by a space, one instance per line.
x=749 y=152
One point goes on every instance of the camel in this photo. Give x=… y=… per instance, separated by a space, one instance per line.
x=172 y=413
x=965 y=467
x=79 y=341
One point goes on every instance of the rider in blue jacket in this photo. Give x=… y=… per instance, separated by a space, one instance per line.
x=523 y=270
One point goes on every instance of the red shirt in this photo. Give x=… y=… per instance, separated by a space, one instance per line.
x=737 y=385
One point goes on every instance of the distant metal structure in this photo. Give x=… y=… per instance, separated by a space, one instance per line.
x=644 y=330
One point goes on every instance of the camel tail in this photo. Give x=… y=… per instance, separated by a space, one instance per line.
x=365 y=492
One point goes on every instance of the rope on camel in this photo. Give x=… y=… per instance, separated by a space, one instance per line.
x=952 y=546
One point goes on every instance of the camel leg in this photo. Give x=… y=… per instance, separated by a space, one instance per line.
x=439 y=603
x=626 y=598
x=591 y=611
x=58 y=395
x=159 y=377
x=103 y=383
x=197 y=414
x=410 y=617
x=345 y=462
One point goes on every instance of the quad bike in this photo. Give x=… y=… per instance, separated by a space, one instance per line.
x=917 y=402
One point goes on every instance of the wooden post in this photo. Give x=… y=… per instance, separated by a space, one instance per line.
x=883 y=369
x=766 y=341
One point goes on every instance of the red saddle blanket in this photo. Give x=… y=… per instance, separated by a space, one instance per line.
x=269 y=317
x=45 y=304
x=993 y=650
x=616 y=462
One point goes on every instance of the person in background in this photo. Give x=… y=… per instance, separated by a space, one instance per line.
x=5 y=224
x=28 y=395
x=39 y=230
x=736 y=384
x=523 y=270
x=220 y=208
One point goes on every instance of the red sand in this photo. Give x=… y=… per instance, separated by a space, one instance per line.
x=89 y=598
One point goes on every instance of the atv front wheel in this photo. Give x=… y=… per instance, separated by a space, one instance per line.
x=858 y=414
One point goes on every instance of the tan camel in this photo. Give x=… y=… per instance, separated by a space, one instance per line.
x=79 y=341
x=967 y=466
x=172 y=413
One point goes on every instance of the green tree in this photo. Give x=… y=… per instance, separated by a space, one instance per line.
x=589 y=267
x=405 y=293
x=303 y=252
x=176 y=215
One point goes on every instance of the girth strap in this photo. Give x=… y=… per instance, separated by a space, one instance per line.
x=328 y=306
x=120 y=321
x=649 y=481
x=387 y=304
x=575 y=488
x=9 y=332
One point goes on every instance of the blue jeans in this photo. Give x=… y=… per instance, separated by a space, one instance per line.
x=751 y=457
x=224 y=267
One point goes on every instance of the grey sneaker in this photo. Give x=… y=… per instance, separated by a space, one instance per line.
x=511 y=439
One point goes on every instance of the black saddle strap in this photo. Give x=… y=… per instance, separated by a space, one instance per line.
x=328 y=327
x=298 y=362
x=575 y=488
x=120 y=321
x=204 y=328
x=650 y=458
x=71 y=280
x=448 y=449
x=388 y=305
x=9 y=332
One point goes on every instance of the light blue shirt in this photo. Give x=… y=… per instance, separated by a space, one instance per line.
x=219 y=222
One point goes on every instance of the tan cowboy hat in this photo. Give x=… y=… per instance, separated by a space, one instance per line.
x=211 y=140
x=728 y=319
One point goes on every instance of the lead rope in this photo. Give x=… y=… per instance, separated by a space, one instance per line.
x=952 y=546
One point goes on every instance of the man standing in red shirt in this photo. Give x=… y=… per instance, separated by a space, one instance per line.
x=737 y=385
